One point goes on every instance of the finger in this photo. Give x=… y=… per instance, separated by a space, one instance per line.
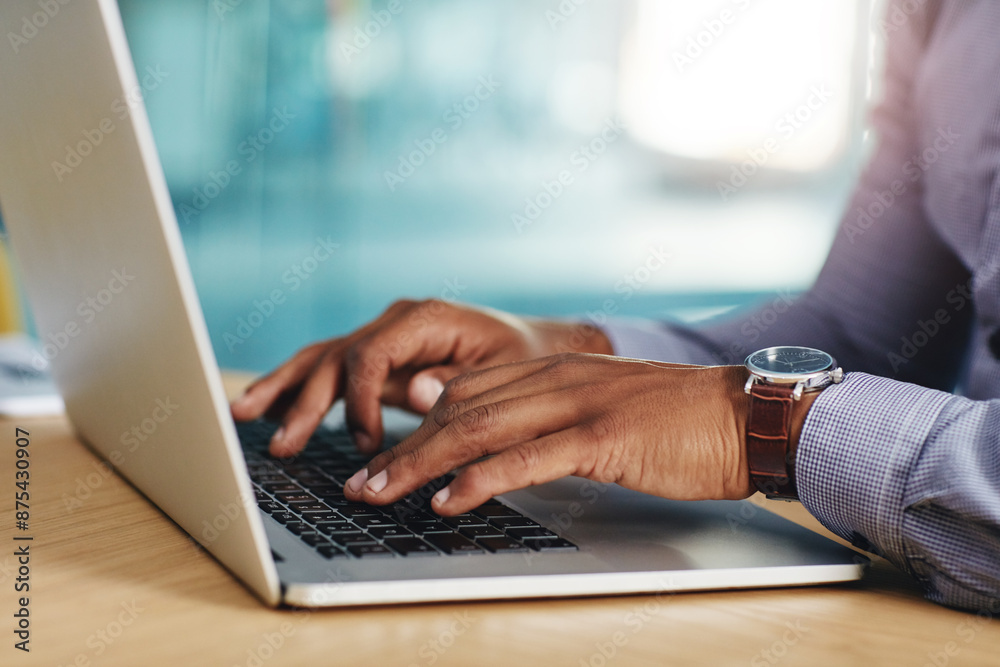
x=526 y=464
x=481 y=431
x=425 y=387
x=412 y=338
x=311 y=406
x=448 y=408
x=260 y=395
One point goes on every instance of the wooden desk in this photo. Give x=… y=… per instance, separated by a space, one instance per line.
x=115 y=582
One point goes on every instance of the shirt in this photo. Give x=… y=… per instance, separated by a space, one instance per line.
x=903 y=457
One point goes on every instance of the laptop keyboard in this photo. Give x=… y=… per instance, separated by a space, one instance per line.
x=305 y=494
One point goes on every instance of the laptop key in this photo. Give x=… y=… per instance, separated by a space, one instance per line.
x=411 y=546
x=382 y=532
x=298 y=527
x=551 y=544
x=294 y=497
x=356 y=509
x=428 y=527
x=345 y=531
x=271 y=507
x=323 y=515
x=283 y=486
x=284 y=517
x=501 y=544
x=453 y=544
x=329 y=551
x=463 y=520
x=488 y=511
x=347 y=540
x=329 y=526
x=368 y=521
x=530 y=533
x=513 y=522
x=371 y=551
x=312 y=538
x=474 y=532
x=309 y=506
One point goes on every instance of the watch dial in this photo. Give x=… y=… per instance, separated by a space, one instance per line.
x=791 y=360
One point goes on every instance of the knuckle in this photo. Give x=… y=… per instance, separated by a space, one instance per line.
x=605 y=428
x=479 y=420
x=527 y=457
x=401 y=305
x=447 y=414
x=384 y=459
x=607 y=440
x=414 y=459
x=565 y=365
x=455 y=389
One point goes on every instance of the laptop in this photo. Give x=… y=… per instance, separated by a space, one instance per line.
x=100 y=255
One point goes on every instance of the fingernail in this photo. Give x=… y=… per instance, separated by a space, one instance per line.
x=358 y=480
x=378 y=482
x=277 y=440
x=429 y=389
x=362 y=441
x=442 y=496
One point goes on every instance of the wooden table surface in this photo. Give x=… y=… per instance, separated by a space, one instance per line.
x=114 y=582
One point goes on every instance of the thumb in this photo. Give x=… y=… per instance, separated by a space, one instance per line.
x=426 y=386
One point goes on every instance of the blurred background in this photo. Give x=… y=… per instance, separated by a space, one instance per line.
x=551 y=158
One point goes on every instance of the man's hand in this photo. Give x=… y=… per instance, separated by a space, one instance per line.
x=403 y=358
x=664 y=429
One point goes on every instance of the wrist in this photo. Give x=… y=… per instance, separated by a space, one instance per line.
x=784 y=382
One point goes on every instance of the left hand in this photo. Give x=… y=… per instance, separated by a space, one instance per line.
x=664 y=429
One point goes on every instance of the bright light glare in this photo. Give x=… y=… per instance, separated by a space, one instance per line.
x=700 y=83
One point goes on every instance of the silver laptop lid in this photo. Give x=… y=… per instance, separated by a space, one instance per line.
x=93 y=229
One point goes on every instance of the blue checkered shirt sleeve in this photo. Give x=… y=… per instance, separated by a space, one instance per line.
x=912 y=474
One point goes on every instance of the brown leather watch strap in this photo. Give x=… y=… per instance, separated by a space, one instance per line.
x=770 y=456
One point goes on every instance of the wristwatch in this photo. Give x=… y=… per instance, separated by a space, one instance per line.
x=778 y=377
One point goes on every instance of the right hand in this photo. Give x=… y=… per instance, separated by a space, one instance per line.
x=403 y=358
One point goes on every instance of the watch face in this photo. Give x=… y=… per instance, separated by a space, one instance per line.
x=790 y=361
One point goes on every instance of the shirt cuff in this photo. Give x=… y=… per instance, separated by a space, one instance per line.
x=655 y=341
x=858 y=447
